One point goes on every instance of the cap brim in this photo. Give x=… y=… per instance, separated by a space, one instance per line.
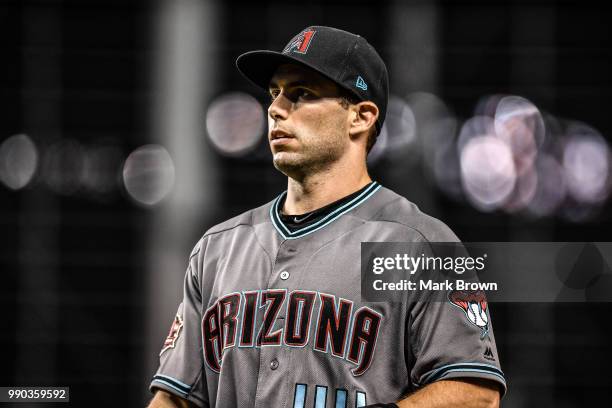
x=259 y=66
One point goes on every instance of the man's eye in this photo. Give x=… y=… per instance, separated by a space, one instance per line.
x=293 y=94
x=303 y=93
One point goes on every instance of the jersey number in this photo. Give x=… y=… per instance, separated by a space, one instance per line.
x=320 y=397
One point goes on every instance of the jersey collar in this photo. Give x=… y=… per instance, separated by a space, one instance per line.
x=323 y=222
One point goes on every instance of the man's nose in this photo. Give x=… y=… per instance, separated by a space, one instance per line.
x=279 y=108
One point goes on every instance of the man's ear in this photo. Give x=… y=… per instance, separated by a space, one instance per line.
x=363 y=117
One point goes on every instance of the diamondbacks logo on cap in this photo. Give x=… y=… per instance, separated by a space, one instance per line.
x=300 y=42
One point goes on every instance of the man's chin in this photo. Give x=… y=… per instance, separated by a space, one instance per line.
x=287 y=163
x=282 y=159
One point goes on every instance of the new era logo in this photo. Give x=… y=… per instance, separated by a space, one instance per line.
x=488 y=354
x=361 y=83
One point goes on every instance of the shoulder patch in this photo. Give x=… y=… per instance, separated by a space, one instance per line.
x=474 y=306
x=173 y=335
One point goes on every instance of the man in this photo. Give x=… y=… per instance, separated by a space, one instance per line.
x=272 y=314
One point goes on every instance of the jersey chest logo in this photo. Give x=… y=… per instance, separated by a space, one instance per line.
x=308 y=319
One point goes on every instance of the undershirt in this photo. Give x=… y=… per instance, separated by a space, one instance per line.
x=295 y=222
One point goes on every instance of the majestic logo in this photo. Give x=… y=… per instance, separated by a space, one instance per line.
x=474 y=305
x=488 y=354
x=361 y=84
x=175 y=330
x=300 y=42
x=276 y=317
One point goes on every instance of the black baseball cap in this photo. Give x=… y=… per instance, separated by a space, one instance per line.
x=345 y=58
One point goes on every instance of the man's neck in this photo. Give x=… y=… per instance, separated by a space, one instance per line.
x=323 y=188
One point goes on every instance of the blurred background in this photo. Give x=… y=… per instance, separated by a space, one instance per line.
x=126 y=132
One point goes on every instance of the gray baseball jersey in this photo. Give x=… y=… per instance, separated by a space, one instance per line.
x=274 y=318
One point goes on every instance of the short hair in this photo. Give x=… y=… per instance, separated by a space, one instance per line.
x=347 y=99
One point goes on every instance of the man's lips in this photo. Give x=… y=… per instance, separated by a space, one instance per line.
x=279 y=134
x=280 y=137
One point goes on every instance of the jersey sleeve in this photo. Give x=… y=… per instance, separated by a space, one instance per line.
x=453 y=338
x=181 y=362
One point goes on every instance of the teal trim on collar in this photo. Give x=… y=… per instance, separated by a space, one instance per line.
x=329 y=218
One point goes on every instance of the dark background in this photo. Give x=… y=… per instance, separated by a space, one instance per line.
x=79 y=265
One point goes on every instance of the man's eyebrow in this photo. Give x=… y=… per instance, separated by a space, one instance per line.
x=292 y=84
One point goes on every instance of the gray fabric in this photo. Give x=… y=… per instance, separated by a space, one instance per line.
x=417 y=342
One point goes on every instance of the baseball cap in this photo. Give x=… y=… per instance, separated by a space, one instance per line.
x=345 y=58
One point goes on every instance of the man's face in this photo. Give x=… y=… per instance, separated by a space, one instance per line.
x=307 y=126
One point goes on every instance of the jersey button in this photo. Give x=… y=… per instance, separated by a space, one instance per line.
x=274 y=364
x=284 y=275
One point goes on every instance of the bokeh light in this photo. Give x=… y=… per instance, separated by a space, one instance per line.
x=148 y=174
x=586 y=165
x=235 y=123
x=398 y=133
x=474 y=127
x=524 y=191
x=550 y=190
x=18 y=161
x=488 y=172
x=512 y=157
x=519 y=123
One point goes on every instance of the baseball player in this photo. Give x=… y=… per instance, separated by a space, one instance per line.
x=272 y=314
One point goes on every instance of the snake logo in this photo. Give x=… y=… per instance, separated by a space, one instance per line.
x=474 y=305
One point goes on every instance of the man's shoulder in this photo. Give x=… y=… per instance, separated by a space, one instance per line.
x=249 y=218
x=393 y=208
